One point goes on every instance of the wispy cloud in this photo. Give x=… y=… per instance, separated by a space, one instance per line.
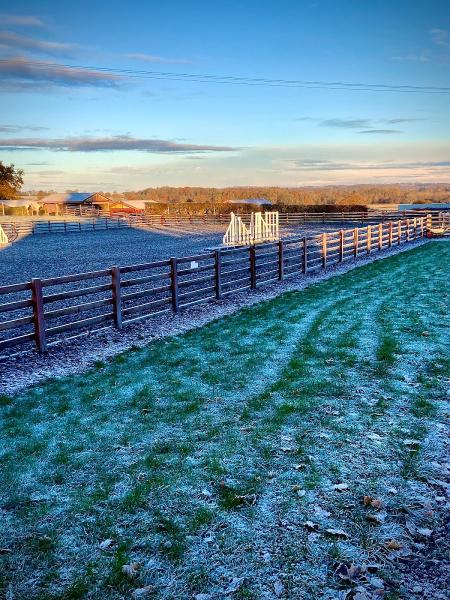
x=17 y=128
x=403 y=120
x=104 y=144
x=151 y=58
x=14 y=41
x=363 y=125
x=381 y=131
x=440 y=37
x=26 y=74
x=311 y=164
x=423 y=57
x=345 y=123
x=22 y=20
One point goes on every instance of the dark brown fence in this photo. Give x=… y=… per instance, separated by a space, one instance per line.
x=44 y=310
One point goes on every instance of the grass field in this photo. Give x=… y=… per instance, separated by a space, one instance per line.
x=232 y=461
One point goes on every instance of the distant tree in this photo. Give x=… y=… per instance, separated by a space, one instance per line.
x=10 y=181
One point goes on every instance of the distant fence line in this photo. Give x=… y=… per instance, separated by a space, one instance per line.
x=44 y=309
x=15 y=229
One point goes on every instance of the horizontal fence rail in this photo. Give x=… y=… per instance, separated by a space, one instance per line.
x=41 y=311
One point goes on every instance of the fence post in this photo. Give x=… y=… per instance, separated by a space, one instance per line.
x=390 y=233
x=422 y=222
x=407 y=230
x=380 y=236
x=355 y=241
x=324 y=250
x=116 y=297
x=341 y=245
x=252 y=253
x=399 y=232
x=280 y=260
x=305 y=255
x=218 y=273
x=429 y=222
x=38 y=315
x=174 y=283
x=369 y=238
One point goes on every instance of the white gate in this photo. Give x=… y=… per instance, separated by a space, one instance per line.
x=3 y=237
x=262 y=228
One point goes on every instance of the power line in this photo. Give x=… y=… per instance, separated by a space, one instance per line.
x=235 y=80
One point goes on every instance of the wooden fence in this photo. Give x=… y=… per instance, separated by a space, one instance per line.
x=43 y=310
x=285 y=218
x=15 y=229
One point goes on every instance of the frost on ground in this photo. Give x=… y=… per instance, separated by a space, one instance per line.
x=295 y=449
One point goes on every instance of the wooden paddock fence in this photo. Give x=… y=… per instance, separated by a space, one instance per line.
x=41 y=311
x=15 y=229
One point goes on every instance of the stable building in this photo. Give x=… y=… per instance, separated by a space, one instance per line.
x=58 y=203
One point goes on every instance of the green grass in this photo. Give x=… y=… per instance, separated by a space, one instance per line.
x=189 y=454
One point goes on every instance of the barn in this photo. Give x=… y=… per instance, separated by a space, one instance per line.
x=57 y=203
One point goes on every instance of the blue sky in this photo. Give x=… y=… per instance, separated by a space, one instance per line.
x=93 y=129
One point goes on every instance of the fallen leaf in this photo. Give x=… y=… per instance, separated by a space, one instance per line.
x=234 y=585
x=425 y=333
x=310 y=526
x=106 y=544
x=247 y=499
x=5 y=550
x=375 y=502
x=299 y=467
x=393 y=545
x=349 y=573
x=278 y=588
x=144 y=592
x=337 y=533
x=131 y=570
x=425 y=532
x=376 y=583
x=378 y=519
x=340 y=487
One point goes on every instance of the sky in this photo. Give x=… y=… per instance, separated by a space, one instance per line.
x=112 y=96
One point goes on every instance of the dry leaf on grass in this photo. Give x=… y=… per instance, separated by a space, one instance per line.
x=349 y=572
x=106 y=544
x=393 y=545
x=278 y=588
x=236 y=583
x=144 y=592
x=374 y=502
x=337 y=533
x=131 y=570
x=424 y=532
x=340 y=487
x=299 y=467
x=246 y=499
x=310 y=526
x=377 y=518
